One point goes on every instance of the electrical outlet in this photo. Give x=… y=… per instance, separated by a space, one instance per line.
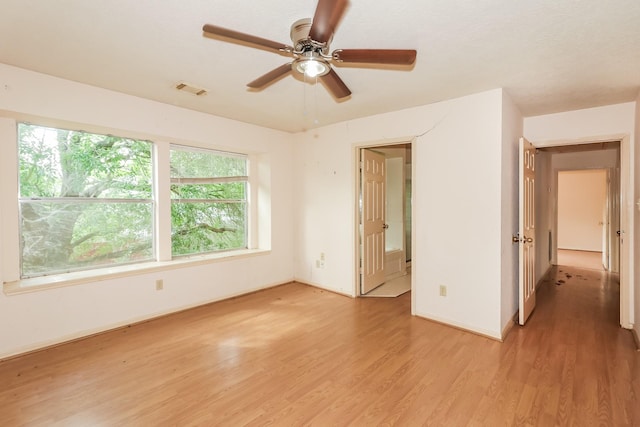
x=159 y=285
x=443 y=291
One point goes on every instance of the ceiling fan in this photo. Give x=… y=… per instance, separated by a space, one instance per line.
x=310 y=50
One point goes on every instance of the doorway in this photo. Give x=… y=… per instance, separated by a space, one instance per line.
x=611 y=154
x=584 y=219
x=383 y=265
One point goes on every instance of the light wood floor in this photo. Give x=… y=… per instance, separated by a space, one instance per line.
x=295 y=355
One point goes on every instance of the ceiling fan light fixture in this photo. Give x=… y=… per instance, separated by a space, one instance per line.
x=312 y=65
x=313 y=68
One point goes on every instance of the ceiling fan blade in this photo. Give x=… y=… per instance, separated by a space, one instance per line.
x=335 y=85
x=246 y=38
x=376 y=56
x=270 y=77
x=326 y=18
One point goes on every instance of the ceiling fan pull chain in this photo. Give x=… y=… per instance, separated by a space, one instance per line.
x=315 y=102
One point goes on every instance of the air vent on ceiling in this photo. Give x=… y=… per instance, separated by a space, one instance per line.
x=186 y=87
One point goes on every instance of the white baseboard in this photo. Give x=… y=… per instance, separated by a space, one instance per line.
x=462 y=327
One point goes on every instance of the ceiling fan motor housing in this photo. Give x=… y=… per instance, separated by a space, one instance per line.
x=301 y=41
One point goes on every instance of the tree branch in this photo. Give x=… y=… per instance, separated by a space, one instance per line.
x=205 y=227
x=84 y=239
x=133 y=249
x=96 y=190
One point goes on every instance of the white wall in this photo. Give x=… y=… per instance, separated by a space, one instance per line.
x=32 y=320
x=457 y=197
x=582 y=198
x=590 y=124
x=511 y=132
x=579 y=124
x=637 y=221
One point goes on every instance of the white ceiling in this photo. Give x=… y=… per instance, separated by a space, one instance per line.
x=550 y=55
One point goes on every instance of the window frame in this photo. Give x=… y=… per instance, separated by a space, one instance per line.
x=258 y=220
x=215 y=180
x=21 y=200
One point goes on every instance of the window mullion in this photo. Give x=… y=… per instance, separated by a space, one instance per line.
x=209 y=201
x=162 y=193
x=82 y=200
x=9 y=209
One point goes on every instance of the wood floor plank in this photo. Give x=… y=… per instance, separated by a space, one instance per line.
x=297 y=355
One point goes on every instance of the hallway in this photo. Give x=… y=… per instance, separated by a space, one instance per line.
x=573 y=352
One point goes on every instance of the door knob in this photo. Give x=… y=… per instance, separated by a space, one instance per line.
x=385 y=226
x=529 y=239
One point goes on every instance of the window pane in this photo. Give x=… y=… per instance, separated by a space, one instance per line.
x=194 y=163
x=85 y=200
x=209 y=199
x=64 y=163
x=60 y=237
x=207 y=227
x=222 y=191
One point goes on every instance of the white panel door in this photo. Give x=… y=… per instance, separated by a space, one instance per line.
x=526 y=230
x=372 y=220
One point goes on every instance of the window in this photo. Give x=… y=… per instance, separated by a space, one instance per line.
x=209 y=201
x=85 y=200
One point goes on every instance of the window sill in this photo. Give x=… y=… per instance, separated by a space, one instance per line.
x=80 y=277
